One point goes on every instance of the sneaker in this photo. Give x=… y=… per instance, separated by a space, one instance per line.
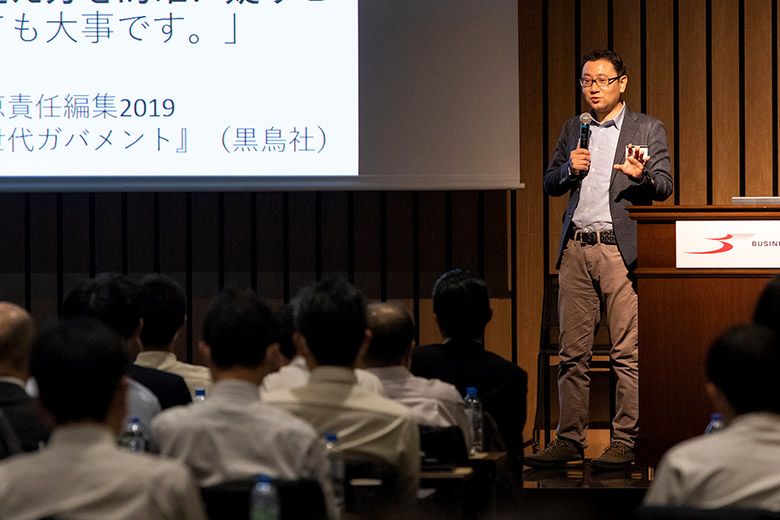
x=558 y=453
x=615 y=456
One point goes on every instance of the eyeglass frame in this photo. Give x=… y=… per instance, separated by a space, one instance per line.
x=609 y=81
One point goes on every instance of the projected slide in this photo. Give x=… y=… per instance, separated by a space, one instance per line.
x=179 y=87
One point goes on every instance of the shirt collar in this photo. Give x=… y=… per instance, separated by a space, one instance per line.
x=616 y=121
x=333 y=374
x=13 y=380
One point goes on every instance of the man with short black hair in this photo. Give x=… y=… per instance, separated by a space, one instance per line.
x=461 y=303
x=623 y=161
x=233 y=435
x=79 y=366
x=389 y=356
x=331 y=330
x=114 y=300
x=164 y=313
x=735 y=467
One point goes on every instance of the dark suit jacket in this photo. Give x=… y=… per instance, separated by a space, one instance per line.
x=20 y=411
x=657 y=183
x=501 y=385
x=170 y=389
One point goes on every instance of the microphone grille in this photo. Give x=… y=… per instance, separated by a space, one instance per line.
x=585 y=118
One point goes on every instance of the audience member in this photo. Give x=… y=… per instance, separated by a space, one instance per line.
x=331 y=329
x=16 y=336
x=164 y=313
x=79 y=366
x=389 y=356
x=115 y=301
x=232 y=435
x=294 y=373
x=462 y=307
x=735 y=467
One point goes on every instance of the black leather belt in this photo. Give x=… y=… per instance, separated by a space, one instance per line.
x=595 y=237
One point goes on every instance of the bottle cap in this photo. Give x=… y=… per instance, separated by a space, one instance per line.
x=200 y=392
x=262 y=478
x=471 y=391
x=331 y=437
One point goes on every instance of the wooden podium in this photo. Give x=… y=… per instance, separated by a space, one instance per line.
x=681 y=311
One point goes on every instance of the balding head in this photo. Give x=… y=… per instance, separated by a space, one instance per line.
x=16 y=335
x=392 y=335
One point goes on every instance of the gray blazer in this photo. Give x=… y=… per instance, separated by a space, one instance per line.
x=656 y=184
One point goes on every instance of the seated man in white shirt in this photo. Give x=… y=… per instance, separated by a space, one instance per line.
x=79 y=366
x=164 y=312
x=389 y=357
x=330 y=331
x=294 y=373
x=738 y=466
x=233 y=435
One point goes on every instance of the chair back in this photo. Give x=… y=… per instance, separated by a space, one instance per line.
x=300 y=498
x=690 y=513
x=443 y=446
x=9 y=441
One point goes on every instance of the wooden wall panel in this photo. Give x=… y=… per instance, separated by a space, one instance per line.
x=627 y=30
x=465 y=231
x=109 y=232
x=334 y=229
x=142 y=235
x=530 y=219
x=237 y=240
x=725 y=121
x=368 y=247
x=693 y=105
x=758 y=98
x=271 y=252
x=205 y=262
x=75 y=240
x=400 y=279
x=660 y=84
x=594 y=32
x=13 y=265
x=44 y=256
x=564 y=98
x=302 y=261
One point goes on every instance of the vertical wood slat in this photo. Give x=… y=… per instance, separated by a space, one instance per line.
x=693 y=108
x=725 y=123
x=204 y=262
x=75 y=239
x=43 y=253
x=660 y=86
x=12 y=254
x=301 y=239
x=367 y=247
x=627 y=16
x=758 y=98
x=562 y=84
x=237 y=239
x=593 y=28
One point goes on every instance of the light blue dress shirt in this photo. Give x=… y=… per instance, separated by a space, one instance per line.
x=592 y=213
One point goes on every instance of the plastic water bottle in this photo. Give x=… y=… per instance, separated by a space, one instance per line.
x=265 y=500
x=200 y=395
x=336 y=467
x=716 y=424
x=132 y=438
x=474 y=409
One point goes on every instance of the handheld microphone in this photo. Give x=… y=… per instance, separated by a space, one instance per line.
x=585 y=119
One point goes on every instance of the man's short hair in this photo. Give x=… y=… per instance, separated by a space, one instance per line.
x=238 y=329
x=110 y=298
x=16 y=335
x=163 y=309
x=605 y=54
x=78 y=364
x=742 y=363
x=392 y=332
x=462 y=304
x=332 y=317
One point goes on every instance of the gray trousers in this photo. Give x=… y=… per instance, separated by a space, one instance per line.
x=588 y=274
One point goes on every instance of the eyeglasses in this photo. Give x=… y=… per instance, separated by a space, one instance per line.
x=601 y=81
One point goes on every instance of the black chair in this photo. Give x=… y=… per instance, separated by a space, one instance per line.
x=548 y=347
x=443 y=446
x=690 y=513
x=371 y=487
x=298 y=499
x=9 y=442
